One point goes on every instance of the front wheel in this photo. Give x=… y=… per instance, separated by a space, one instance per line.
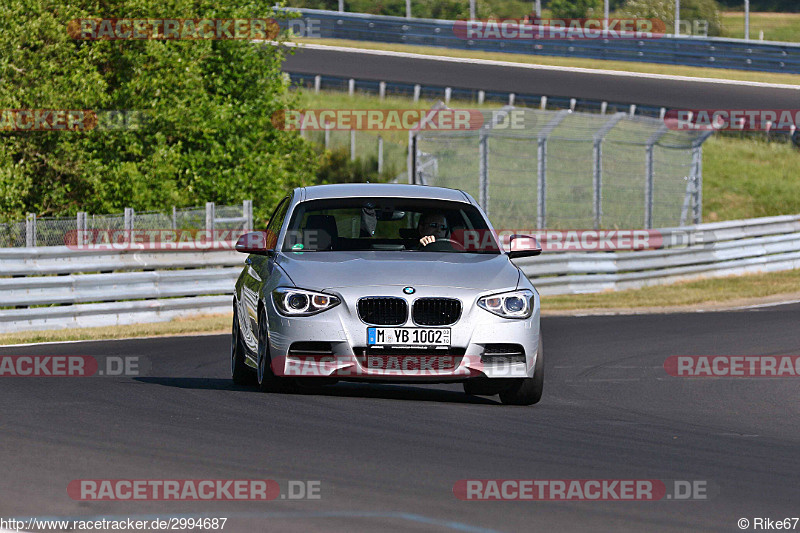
x=267 y=380
x=527 y=391
x=240 y=372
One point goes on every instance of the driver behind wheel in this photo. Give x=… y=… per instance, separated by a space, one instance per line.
x=432 y=226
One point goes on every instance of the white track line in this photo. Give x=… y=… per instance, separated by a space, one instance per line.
x=774 y=304
x=530 y=66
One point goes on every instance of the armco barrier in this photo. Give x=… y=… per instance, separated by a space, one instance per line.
x=692 y=51
x=718 y=249
x=58 y=287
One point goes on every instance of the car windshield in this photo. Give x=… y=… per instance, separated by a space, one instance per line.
x=389 y=224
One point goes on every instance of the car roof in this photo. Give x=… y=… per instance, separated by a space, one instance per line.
x=400 y=190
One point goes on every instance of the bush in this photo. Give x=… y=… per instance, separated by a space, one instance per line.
x=576 y=8
x=691 y=10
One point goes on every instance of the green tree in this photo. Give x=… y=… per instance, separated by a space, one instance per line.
x=208 y=103
x=576 y=8
x=691 y=10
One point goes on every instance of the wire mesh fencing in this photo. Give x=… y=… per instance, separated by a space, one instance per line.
x=564 y=169
x=60 y=231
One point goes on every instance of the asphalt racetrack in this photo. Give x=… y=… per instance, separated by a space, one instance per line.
x=626 y=89
x=387 y=456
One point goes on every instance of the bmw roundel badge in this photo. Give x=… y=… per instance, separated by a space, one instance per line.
x=409 y=290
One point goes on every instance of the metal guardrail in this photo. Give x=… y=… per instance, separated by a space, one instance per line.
x=442 y=92
x=59 y=287
x=715 y=249
x=692 y=51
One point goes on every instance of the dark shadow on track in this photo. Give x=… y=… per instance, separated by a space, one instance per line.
x=343 y=390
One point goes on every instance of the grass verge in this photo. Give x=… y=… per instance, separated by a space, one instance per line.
x=730 y=291
x=178 y=326
x=625 y=66
x=776 y=26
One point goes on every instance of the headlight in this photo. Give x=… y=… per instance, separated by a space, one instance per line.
x=517 y=304
x=300 y=302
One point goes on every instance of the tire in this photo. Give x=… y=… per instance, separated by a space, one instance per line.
x=240 y=372
x=527 y=391
x=266 y=379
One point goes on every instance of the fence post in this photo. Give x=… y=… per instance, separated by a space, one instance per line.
x=382 y=90
x=541 y=165
x=697 y=178
x=483 y=170
x=648 y=187
x=327 y=138
x=511 y=98
x=351 y=86
x=543 y=103
x=411 y=161
x=174 y=218
x=352 y=145
x=448 y=92
x=210 y=215
x=481 y=97
x=380 y=154
x=417 y=90
x=129 y=216
x=541 y=172
x=247 y=213
x=80 y=227
x=597 y=166
x=317 y=83
x=30 y=230
x=650 y=175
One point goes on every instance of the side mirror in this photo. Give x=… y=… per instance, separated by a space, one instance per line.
x=254 y=242
x=526 y=246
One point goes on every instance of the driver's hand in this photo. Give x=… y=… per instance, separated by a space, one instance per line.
x=427 y=239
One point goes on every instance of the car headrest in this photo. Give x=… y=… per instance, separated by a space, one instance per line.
x=324 y=226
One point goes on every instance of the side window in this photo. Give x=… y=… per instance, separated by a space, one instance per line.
x=276 y=222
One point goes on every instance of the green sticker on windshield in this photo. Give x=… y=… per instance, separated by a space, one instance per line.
x=298 y=246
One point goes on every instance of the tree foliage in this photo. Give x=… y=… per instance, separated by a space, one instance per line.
x=208 y=104
x=691 y=10
x=576 y=8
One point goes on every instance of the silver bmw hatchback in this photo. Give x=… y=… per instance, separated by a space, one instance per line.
x=386 y=283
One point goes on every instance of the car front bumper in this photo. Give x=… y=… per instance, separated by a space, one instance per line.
x=345 y=354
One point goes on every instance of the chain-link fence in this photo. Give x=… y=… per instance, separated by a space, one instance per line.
x=58 y=231
x=562 y=169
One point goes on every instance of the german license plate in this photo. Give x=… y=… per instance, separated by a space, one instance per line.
x=408 y=336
